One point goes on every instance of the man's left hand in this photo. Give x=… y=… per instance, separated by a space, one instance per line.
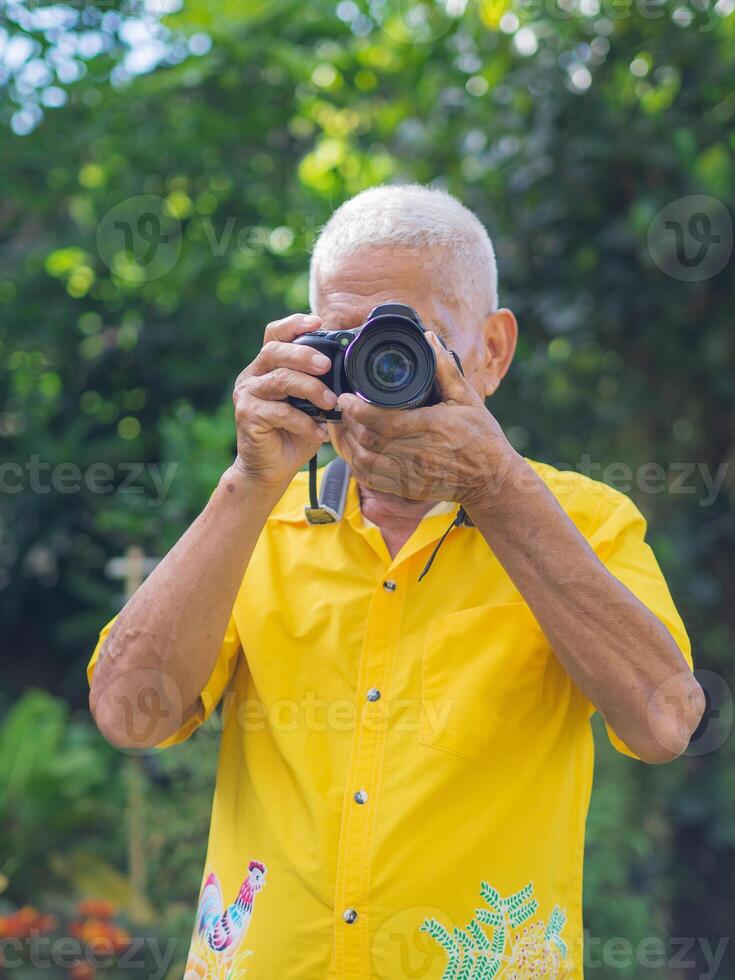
x=454 y=450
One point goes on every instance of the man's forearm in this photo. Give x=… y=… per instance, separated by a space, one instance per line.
x=163 y=646
x=620 y=655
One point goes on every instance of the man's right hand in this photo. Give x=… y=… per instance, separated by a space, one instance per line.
x=274 y=439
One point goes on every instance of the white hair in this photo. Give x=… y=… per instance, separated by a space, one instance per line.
x=411 y=215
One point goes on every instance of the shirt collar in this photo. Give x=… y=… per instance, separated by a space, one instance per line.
x=443 y=507
x=430 y=528
x=291 y=507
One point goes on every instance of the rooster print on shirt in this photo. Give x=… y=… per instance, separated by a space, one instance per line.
x=216 y=949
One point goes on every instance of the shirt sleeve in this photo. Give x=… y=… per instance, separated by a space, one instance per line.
x=619 y=542
x=210 y=696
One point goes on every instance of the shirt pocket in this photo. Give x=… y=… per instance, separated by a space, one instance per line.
x=482 y=674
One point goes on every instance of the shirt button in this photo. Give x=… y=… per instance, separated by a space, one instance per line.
x=349 y=915
x=361 y=796
x=389 y=585
x=373 y=694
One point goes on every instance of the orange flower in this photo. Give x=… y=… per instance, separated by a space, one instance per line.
x=101 y=935
x=25 y=921
x=96 y=908
x=46 y=923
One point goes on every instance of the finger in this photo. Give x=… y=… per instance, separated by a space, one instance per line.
x=277 y=354
x=414 y=473
x=452 y=383
x=392 y=468
x=280 y=415
x=291 y=327
x=369 y=438
x=284 y=383
x=368 y=467
x=364 y=459
x=400 y=442
x=389 y=422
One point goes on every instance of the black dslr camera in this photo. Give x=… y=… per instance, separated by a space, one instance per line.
x=387 y=361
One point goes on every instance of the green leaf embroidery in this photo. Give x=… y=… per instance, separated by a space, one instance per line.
x=521 y=915
x=481 y=941
x=490 y=894
x=557 y=920
x=467 y=945
x=489 y=918
x=437 y=931
x=451 y=971
x=442 y=935
x=499 y=937
x=518 y=898
x=473 y=954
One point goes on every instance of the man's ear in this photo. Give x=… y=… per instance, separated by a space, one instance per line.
x=501 y=336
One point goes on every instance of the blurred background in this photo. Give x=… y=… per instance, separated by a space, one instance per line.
x=164 y=168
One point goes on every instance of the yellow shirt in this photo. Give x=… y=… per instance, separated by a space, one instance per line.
x=405 y=767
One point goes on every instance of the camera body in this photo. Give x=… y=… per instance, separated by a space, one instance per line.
x=387 y=361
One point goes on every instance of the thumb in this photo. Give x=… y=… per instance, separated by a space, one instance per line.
x=451 y=381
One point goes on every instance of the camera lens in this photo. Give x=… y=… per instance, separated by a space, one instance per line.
x=391 y=367
x=391 y=363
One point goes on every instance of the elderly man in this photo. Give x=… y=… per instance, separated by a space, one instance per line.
x=405 y=766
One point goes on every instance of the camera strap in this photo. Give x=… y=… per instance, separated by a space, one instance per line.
x=461 y=517
x=328 y=506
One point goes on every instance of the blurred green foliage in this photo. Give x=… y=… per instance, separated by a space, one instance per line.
x=62 y=785
x=567 y=129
